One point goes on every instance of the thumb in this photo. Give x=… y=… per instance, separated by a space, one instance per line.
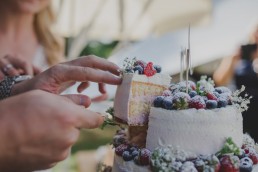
x=79 y=99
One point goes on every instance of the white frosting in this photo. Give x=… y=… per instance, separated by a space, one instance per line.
x=199 y=131
x=127 y=166
x=124 y=95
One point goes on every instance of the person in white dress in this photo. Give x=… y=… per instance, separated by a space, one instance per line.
x=26 y=33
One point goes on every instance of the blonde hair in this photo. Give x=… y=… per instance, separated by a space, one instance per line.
x=53 y=44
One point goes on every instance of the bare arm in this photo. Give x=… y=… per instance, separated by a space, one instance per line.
x=224 y=73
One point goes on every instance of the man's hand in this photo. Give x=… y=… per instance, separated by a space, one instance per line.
x=37 y=129
x=61 y=76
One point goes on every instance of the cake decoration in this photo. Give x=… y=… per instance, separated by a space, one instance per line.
x=140 y=67
x=202 y=95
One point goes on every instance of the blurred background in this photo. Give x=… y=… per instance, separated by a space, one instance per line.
x=151 y=30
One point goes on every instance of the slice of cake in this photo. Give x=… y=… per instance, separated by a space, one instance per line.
x=141 y=84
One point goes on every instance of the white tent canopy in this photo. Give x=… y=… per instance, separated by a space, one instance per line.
x=231 y=25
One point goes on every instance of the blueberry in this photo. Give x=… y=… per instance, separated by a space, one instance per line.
x=246 y=165
x=222 y=90
x=135 y=153
x=127 y=156
x=158 y=68
x=136 y=160
x=205 y=98
x=167 y=103
x=138 y=68
x=216 y=94
x=132 y=149
x=222 y=102
x=192 y=94
x=158 y=101
x=211 y=104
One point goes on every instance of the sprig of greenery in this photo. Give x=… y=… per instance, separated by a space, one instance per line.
x=109 y=119
x=229 y=148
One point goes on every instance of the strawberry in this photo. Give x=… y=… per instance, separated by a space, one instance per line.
x=149 y=70
x=120 y=149
x=229 y=163
x=253 y=156
x=197 y=102
x=144 y=156
x=211 y=96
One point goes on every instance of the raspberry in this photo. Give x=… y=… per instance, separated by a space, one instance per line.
x=197 y=102
x=246 y=164
x=180 y=100
x=211 y=96
x=158 y=101
x=211 y=104
x=144 y=156
x=120 y=149
x=149 y=70
x=253 y=156
x=229 y=163
x=158 y=68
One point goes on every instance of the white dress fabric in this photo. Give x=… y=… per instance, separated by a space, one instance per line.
x=40 y=59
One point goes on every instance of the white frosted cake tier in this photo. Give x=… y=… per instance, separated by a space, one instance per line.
x=135 y=95
x=199 y=131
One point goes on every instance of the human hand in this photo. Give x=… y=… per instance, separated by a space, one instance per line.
x=13 y=66
x=84 y=69
x=37 y=129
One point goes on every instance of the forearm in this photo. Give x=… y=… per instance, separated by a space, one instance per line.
x=225 y=72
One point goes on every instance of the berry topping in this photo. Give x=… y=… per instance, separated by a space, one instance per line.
x=229 y=163
x=211 y=104
x=144 y=156
x=180 y=100
x=197 y=102
x=158 y=101
x=211 y=96
x=167 y=93
x=167 y=103
x=141 y=63
x=222 y=102
x=253 y=156
x=149 y=70
x=120 y=149
x=246 y=165
x=127 y=156
x=223 y=90
x=192 y=93
x=135 y=153
x=158 y=68
x=138 y=69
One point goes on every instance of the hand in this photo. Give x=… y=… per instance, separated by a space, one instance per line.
x=12 y=66
x=59 y=77
x=37 y=129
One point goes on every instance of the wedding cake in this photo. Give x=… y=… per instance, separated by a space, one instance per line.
x=179 y=127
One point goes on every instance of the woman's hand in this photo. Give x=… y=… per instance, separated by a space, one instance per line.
x=13 y=66
x=38 y=129
x=59 y=77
